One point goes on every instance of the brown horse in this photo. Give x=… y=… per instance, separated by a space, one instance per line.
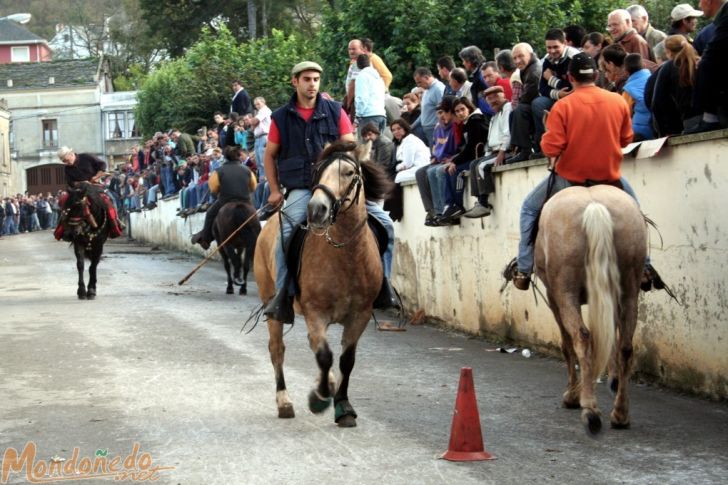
x=591 y=248
x=231 y=216
x=340 y=276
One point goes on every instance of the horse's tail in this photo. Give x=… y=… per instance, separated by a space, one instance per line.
x=602 y=282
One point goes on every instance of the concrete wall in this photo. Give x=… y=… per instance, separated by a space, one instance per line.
x=7 y=167
x=453 y=273
x=162 y=226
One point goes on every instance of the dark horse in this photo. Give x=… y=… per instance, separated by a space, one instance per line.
x=340 y=276
x=87 y=220
x=230 y=217
x=591 y=248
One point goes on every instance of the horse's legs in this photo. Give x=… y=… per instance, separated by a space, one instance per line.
x=571 y=395
x=581 y=337
x=344 y=413
x=95 y=258
x=277 y=349
x=248 y=261
x=238 y=261
x=226 y=263
x=320 y=396
x=625 y=331
x=79 y=250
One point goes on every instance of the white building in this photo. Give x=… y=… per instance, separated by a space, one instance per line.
x=52 y=104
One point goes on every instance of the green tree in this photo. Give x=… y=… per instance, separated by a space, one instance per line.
x=186 y=92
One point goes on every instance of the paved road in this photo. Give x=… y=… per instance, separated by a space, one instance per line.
x=166 y=366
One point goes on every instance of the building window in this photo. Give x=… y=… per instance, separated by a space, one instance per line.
x=20 y=54
x=120 y=125
x=50 y=133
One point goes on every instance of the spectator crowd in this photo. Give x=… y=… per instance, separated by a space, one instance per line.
x=463 y=119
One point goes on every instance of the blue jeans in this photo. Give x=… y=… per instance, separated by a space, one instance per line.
x=453 y=194
x=260 y=143
x=167 y=173
x=382 y=216
x=538 y=107
x=262 y=192
x=530 y=210
x=379 y=121
x=295 y=212
x=437 y=177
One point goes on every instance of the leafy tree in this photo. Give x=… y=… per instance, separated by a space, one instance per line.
x=186 y=92
x=410 y=33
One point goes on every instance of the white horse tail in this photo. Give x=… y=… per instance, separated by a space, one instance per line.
x=602 y=283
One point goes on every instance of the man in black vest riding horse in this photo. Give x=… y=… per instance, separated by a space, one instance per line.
x=298 y=133
x=83 y=172
x=233 y=181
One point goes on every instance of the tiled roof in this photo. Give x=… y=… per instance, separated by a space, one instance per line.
x=14 y=32
x=25 y=75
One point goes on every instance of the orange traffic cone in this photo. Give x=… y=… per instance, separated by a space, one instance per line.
x=466 y=440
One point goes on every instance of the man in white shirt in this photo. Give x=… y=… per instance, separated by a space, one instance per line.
x=499 y=139
x=369 y=93
x=261 y=123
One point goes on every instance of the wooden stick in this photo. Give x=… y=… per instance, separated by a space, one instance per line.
x=209 y=256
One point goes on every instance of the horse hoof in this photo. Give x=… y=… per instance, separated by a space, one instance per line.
x=347 y=422
x=592 y=422
x=617 y=425
x=316 y=403
x=344 y=415
x=570 y=404
x=81 y=296
x=90 y=296
x=243 y=290
x=230 y=291
x=286 y=412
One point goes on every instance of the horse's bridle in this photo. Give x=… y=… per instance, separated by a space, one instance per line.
x=356 y=184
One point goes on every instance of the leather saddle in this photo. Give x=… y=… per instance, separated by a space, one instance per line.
x=294 y=249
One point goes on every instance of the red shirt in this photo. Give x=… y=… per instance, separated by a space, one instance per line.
x=506 y=85
x=345 y=127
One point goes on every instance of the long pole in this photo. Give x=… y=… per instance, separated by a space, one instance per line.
x=209 y=256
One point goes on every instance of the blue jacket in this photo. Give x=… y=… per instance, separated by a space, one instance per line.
x=302 y=142
x=642 y=118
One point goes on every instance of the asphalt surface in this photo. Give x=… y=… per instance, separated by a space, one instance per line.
x=165 y=366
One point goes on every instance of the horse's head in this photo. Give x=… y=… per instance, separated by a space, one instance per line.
x=338 y=183
x=84 y=210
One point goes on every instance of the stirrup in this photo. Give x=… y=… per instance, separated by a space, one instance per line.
x=519 y=279
x=651 y=280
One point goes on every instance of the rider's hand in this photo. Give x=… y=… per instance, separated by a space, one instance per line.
x=275 y=199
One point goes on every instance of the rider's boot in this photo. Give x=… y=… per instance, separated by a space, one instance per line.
x=280 y=307
x=387 y=298
x=198 y=239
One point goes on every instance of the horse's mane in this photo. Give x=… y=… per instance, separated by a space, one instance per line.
x=377 y=185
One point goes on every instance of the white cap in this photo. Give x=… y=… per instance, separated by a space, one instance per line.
x=684 y=11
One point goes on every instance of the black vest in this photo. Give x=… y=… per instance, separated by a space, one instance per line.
x=302 y=142
x=234 y=182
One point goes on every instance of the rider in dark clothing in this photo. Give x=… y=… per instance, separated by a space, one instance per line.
x=80 y=168
x=233 y=181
